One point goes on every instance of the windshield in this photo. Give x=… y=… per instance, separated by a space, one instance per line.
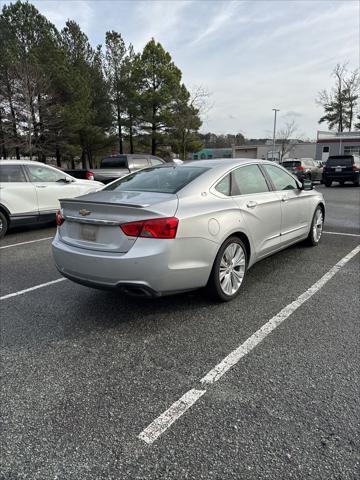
x=158 y=179
x=292 y=163
x=118 y=161
x=340 y=160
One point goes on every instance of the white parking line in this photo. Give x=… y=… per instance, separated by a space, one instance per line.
x=24 y=243
x=159 y=425
x=342 y=233
x=21 y=292
x=162 y=423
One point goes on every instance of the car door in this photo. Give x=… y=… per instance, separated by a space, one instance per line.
x=17 y=195
x=260 y=208
x=295 y=203
x=50 y=185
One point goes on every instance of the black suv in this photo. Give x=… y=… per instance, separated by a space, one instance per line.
x=341 y=168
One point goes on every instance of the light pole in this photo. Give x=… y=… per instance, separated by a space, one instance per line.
x=274 y=110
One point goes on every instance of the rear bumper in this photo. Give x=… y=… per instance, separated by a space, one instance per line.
x=152 y=267
x=341 y=177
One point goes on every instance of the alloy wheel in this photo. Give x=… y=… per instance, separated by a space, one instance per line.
x=232 y=268
x=318 y=225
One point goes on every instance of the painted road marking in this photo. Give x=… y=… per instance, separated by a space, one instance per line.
x=177 y=409
x=25 y=243
x=346 y=234
x=21 y=292
x=163 y=422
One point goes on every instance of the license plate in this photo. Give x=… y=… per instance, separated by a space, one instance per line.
x=338 y=169
x=88 y=232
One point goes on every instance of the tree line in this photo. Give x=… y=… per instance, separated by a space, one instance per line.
x=62 y=98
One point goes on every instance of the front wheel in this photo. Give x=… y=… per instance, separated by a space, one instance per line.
x=3 y=225
x=328 y=183
x=316 y=229
x=229 y=270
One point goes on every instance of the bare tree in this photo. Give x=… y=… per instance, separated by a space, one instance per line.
x=284 y=138
x=340 y=102
x=351 y=93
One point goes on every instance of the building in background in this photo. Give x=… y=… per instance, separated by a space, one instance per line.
x=333 y=143
x=295 y=149
x=207 y=153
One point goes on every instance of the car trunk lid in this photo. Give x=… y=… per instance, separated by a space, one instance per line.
x=93 y=221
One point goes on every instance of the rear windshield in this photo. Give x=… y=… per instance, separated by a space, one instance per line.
x=118 y=161
x=158 y=179
x=347 y=161
x=292 y=163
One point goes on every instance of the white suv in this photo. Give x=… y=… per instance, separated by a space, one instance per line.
x=30 y=192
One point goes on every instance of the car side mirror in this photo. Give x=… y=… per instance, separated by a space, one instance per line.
x=306 y=184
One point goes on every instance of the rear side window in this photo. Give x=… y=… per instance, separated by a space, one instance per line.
x=11 y=173
x=345 y=161
x=224 y=185
x=117 y=161
x=281 y=179
x=248 y=180
x=157 y=179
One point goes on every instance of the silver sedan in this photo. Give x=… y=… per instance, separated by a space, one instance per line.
x=174 y=228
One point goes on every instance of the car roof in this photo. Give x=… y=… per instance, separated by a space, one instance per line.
x=22 y=162
x=225 y=162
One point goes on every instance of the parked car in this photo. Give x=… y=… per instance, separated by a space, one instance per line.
x=30 y=192
x=173 y=228
x=304 y=168
x=341 y=168
x=117 y=166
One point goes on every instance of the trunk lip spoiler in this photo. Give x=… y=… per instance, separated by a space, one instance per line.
x=93 y=221
x=130 y=205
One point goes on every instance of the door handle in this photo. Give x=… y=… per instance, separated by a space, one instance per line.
x=284 y=198
x=41 y=186
x=251 y=204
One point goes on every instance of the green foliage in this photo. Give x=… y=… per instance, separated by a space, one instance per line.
x=60 y=97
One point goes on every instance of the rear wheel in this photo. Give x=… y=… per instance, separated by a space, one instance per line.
x=4 y=224
x=328 y=183
x=316 y=228
x=356 y=183
x=228 y=271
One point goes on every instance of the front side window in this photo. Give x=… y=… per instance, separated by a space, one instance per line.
x=157 y=179
x=138 y=163
x=281 y=179
x=11 y=173
x=248 y=180
x=44 y=174
x=155 y=161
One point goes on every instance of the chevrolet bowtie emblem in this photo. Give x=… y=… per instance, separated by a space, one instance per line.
x=84 y=212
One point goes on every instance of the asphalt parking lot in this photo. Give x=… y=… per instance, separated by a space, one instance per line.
x=85 y=372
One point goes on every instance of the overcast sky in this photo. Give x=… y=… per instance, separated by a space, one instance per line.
x=251 y=55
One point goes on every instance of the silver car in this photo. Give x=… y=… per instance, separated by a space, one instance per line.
x=174 y=228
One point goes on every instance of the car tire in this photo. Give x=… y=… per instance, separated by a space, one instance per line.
x=4 y=224
x=357 y=183
x=328 y=183
x=229 y=270
x=316 y=228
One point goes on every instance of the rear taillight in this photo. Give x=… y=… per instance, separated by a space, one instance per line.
x=59 y=218
x=355 y=168
x=155 y=228
x=89 y=175
x=299 y=168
